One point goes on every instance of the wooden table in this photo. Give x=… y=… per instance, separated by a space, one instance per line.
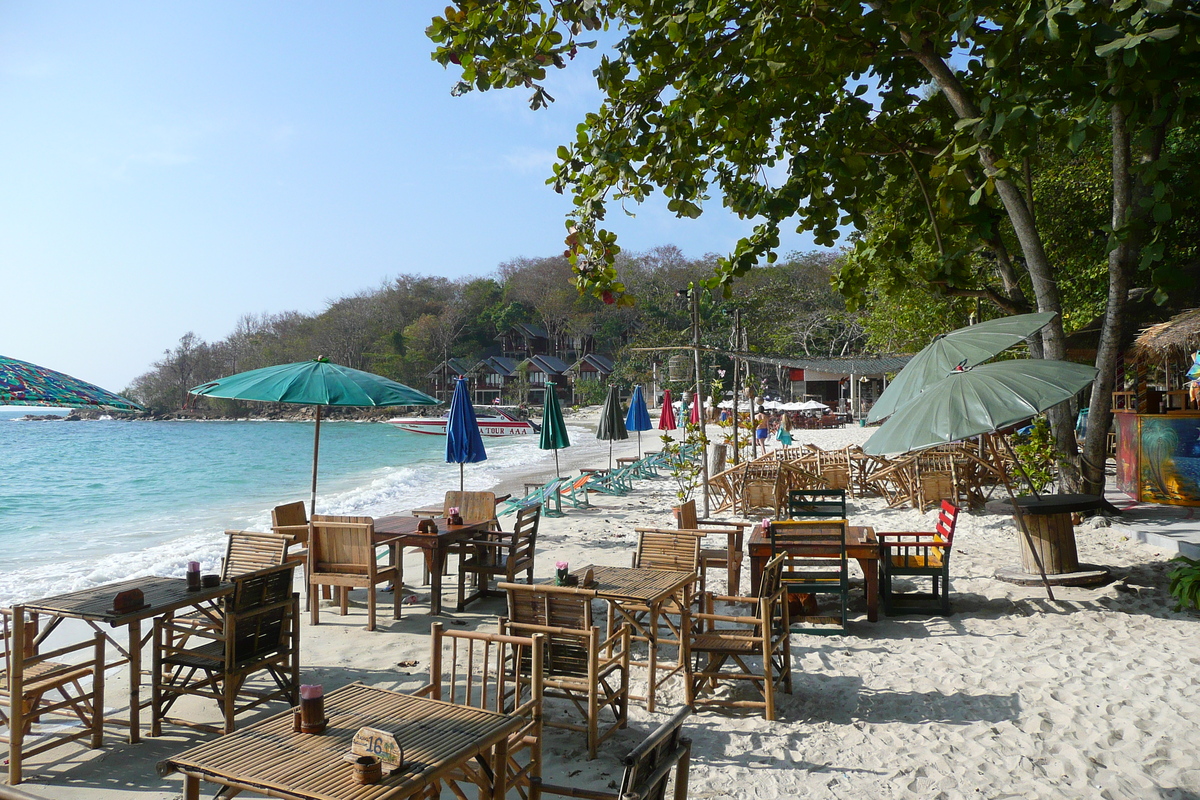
x=164 y=596
x=401 y=531
x=428 y=512
x=640 y=597
x=438 y=738
x=861 y=545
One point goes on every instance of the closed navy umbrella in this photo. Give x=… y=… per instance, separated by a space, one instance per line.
x=638 y=418
x=464 y=443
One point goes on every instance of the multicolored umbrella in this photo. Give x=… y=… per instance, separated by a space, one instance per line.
x=666 y=420
x=464 y=442
x=315 y=383
x=25 y=384
x=965 y=347
x=554 y=428
x=612 y=422
x=638 y=418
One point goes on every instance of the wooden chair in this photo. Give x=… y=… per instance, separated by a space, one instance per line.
x=763 y=635
x=33 y=685
x=499 y=555
x=808 y=503
x=260 y=632
x=815 y=563
x=761 y=489
x=484 y=670
x=648 y=767
x=591 y=673
x=341 y=554
x=669 y=548
x=250 y=551
x=918 y=555
x=291 y=520
x=729 y=557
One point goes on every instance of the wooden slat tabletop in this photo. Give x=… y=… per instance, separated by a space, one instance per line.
x=162 y=595
x=643 y=585
x=270 y=757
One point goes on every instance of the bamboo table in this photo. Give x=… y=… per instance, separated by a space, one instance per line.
x=164 y=596
x=861 y=545
x=640 y=597
x=438 y=739
x=402 y=531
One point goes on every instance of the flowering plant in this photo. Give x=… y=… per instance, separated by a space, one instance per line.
x=453 y=511
x=766 y=523
x=563 y=565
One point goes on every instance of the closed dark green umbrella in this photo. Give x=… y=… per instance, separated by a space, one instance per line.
x=968 y=347
x=612 y=421
x=554 y=428
x=315 y=383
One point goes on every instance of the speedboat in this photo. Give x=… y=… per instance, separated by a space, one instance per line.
x=493 y=421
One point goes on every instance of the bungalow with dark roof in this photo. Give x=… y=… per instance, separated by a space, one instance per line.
x=492 y=375
x=442 y=377
x=540 y=369
x=524 y=340
x=592 y=367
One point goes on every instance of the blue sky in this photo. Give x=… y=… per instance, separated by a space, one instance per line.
x=167 y=167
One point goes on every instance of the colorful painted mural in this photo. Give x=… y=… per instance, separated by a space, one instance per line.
x=1126 y=425
x=1169 y=459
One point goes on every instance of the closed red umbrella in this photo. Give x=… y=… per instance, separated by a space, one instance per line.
x=666 y=422
x=695 y=417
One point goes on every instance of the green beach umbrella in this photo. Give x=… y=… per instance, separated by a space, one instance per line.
x=315 y=383
x=612 y=421
x=25 y=384
x=554 y=428
x=967 y=347
x=977 y=400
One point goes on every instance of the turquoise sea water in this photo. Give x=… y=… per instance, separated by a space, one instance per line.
x=83 y=503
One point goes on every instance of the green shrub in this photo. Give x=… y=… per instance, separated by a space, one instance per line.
x=1037 y=455
x=1185 y=582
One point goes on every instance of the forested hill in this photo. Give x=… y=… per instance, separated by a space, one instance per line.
x=412 y=323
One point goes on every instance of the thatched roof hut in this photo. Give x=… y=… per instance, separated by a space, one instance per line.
x=1178 y=336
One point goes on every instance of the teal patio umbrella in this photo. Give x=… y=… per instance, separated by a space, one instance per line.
x=317 y=383
x=25 y=384
x=984 y=399
x=965 y=347
x=554 y=428
x=612 y=421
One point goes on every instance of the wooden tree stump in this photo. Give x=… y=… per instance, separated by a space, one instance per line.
x=1054 y=537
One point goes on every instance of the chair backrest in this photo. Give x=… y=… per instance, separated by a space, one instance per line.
x=816 y=503
x=523 y=539
x=260 y=614
x=13 y=621
x=805 y=538
x=770 y=581
x=472 y=506
x=342 y=545
x=663 y=548
x=564 y=614
x=248 y=551
x=947 y=519
x=648 y=766
x=686 y=514
x=472 y=668
x=291 y=519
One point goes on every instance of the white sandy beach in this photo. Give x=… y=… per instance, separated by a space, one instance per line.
x=1013 y=696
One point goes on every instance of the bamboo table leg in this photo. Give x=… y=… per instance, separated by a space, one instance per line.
x=500 y=769
x=652 y=647
x=870 y=568
x=191 y=788
x=435 y=581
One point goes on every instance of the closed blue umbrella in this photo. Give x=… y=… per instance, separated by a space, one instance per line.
x=464 y=444
x=638 y=416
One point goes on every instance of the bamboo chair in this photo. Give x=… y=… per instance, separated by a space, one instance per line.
x=815 y=562
x=918 y=555
x=729 y=557
x=502 y=555
x=33 y=685
x=259 y=632
x=648 y=767
x=245 y=552
x=740 y=641
x=472 y=507
x=589 y=673
x=341 y=553
x=761 y=490
x=484 y=670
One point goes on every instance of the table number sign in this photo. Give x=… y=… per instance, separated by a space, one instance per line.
x=381 y=744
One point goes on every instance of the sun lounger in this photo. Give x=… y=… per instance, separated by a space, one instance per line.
x=575 y=493
x=546 y=495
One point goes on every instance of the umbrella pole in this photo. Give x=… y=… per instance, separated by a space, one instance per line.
x=610 y=445
x=1020 y=515
x=312 y=504
x=639 y=445
x=557 y=473
x=460 y=476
